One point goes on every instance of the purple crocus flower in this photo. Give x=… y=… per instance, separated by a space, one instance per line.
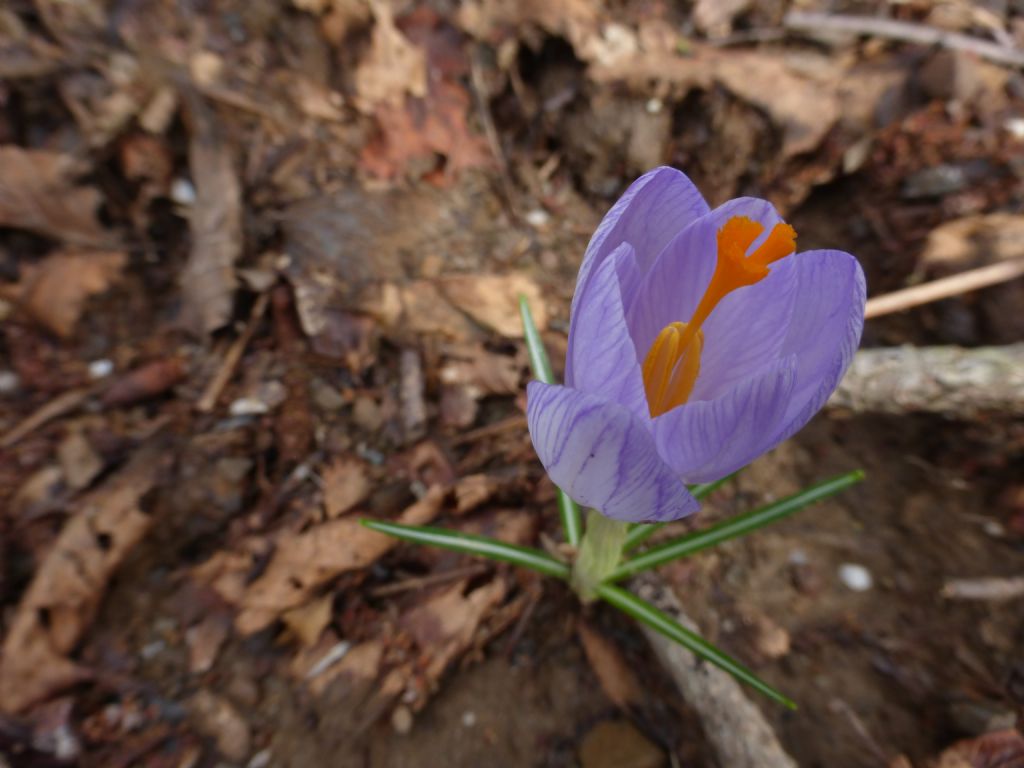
x=698 y=340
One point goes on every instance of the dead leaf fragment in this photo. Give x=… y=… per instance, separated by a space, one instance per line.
x=613 y=673
x=38 y=192
x=208 y=280
x=55 y=290
x=999 y=749
x=79 y=462
x=443 y=627
x=345 y=484
x=307 y=622
x=393 y=67
x=493 y=300
x=204 y=641
x=303 y=561
x=218 y=719
x=62 y=599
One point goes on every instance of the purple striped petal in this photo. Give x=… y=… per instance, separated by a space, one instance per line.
x=603 y=456
x=647 y=216
x=603 y=361
x=706 y=440
x=824 y=331
x=672 y=288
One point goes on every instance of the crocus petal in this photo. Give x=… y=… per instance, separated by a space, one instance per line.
x=603 y=456
x=824 y=330
x=603 y=361
x=706 y=440
x=673 y=286
x=649 y=214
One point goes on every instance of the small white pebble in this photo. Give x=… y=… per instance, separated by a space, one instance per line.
x=994 y=529
x=798 y=557
x=182 y=192
x=100 y=369
x=248 y=406
x=654 y=106
x=152 y=650
x=538 y=217
x=855 y=577
x=261 y=759
x=9 y=382
x=1015 y=127
x=468 y=719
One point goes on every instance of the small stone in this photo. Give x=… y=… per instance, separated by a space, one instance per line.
x=617 y=744
x=261 y=759
x=248 y=406
x=326 y=397
x=468 y=719
x=9 y=382
x=401 y=719
x=855 y=577
x=100 y=369
x=183 y=192
x=538 y=218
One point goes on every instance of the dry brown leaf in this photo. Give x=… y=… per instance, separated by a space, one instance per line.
x=307 y=622
x=481 y=371
x=204 y=641
x=613 y=673
x=393 y=67
x=79 y=462
x=345 y=484
x=301 y=562
x=217 y=718
x=55 y=291
x=208 y=280
x=493 y=300
x=356 y=670
x=800 y=95
x=412 y=134
x=444 y=625
x=999 y=749
x=473 y=490
x=38 y=192
x=65 y=592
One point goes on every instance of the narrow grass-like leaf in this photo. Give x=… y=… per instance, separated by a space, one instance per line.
x=471 y=544
x=736 y=526
x=661 y=622
x=568 y=510
x=640 y=532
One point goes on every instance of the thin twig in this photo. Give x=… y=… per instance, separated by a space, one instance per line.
x=904 y=31
x=430 y=580
x=994 y=589
x=54 y=409
x=213 y=390
x=944 y=288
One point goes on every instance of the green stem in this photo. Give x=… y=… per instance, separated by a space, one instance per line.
x=599 y=554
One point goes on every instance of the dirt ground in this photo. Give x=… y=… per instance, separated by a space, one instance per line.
x=259 y=266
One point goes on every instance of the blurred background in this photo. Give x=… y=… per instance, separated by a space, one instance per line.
x=259 y=265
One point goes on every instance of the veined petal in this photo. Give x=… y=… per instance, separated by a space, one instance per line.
x=603 y=361
x=603 y=456
x=654 y=208
x=673 y=286
x=824 y=330
x=705 y=440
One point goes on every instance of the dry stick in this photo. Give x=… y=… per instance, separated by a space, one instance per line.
x=944 y=288
x=802 y=21
x=209 y=399
x=61 y=405
x=952 y=381
x=738 y=732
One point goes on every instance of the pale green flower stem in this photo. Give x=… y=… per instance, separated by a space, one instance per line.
x=599 y=554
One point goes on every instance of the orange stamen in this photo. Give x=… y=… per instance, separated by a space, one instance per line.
x=673 y=362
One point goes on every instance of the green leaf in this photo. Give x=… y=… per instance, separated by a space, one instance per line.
x=736 y=526
x=661 y=622
x=640 y=532
x=568 y=510
x=471 y=544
